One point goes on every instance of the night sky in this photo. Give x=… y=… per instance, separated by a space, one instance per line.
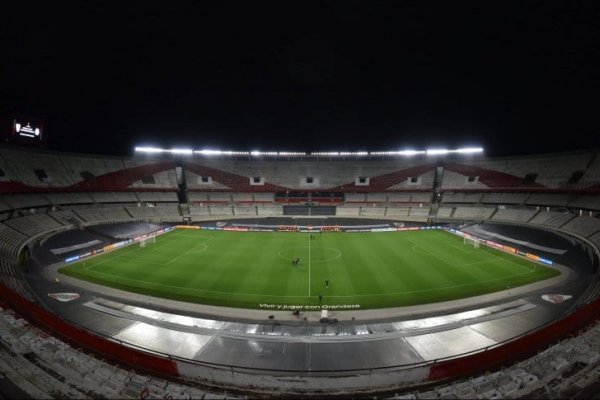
x=515 y=77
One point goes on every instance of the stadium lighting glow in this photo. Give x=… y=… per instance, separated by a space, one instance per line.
x=470 y=150
x=181 y=151
x=410 y=153
x=258 y=153
x=436 y=152
x=149 y=150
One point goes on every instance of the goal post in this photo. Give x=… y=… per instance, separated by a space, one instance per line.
x=148 y=240
x=472 y=241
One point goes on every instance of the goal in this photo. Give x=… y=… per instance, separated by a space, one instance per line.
x=148 y=240
x=472 y=241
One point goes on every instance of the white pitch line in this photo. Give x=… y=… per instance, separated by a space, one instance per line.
x=190 y=250
x=309 y=265
x=288 y=296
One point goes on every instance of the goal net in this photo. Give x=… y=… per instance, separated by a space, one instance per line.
x=472 y=241
x=147 y=241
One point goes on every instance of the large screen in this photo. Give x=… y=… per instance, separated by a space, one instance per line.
x=27 y=130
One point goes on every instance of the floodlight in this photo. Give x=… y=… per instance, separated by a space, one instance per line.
x=148 y=150
x=181 y=151
x=435 y=152
x=470 y=150
x=410 y=152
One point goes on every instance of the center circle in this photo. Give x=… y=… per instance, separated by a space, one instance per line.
x=318 y=254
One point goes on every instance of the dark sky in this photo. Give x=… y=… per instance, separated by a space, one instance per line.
x=516 y=77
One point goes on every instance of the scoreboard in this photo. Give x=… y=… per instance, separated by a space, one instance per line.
x=27 y=129
x=23 y=130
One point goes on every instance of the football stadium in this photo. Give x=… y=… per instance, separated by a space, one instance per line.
x=182 y=273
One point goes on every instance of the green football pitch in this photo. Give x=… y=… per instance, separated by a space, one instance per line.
x=254 y=269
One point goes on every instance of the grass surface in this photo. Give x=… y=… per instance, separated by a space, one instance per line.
x=247 y=269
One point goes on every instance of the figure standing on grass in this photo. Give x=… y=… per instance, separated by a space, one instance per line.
x=327 y=283
x=320 y=297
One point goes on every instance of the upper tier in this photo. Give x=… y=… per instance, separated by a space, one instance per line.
x=27 y=170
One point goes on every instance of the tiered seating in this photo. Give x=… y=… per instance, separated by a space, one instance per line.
x=264 y=197
x=38 y=169
x=114 y=197
x=79 y=198
x=58 y=199
x=220 y=197
x=5 y=206
x=102 y=214
x=423 y=197
x=551 y=219
x=376 y=197
x=584 y=226
x=43 y=367
x=197 y=197
x=244 y=210
x=156 y=197
x=32 y=200
x=242 y=197
x=399 y=198
x=165 y=179
x=10 y=242
x=196 y=210
x=513 y=215
x=397 y=212
x=355 y=197
x=504 y=198
x=346 y=211
x=269 y=210
x=453 y=180
x=79 y=167
x=162 y=213
x=444 y=212
x=419 y=213
x=372 y=211
x=12 y=277
x=473 y=213
x=546 y=199
x=65 y=217
x=221 y=210
x=586 y=202
x=32 y=225
x=452 y=197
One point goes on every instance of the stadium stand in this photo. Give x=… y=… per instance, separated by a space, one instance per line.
x=514 y=214
x=503 y=198
x=32 y=225
x=587 y=202
x=551 y=218
x=216 y=209
x=269 y=210
x=88 y=190
x=101 y=214
x=244 y=210
x=547 y=199
x=264 y=197
x=462 y=198
x=10 y=242
x=584 y=226
x=162 y=213
x=473 y=213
